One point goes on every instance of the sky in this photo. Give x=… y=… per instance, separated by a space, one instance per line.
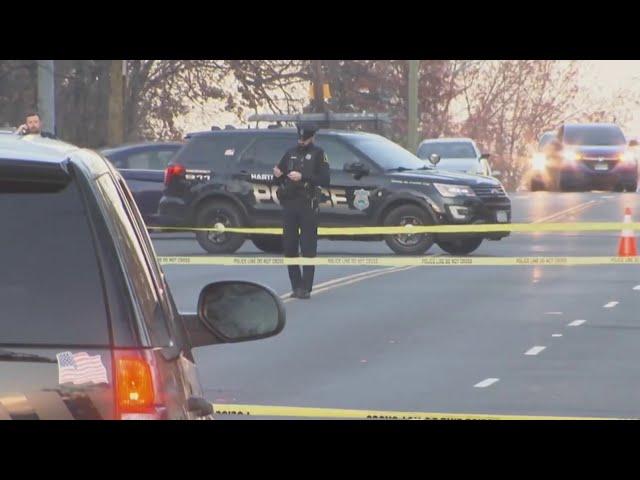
x=599 y=79
x=602 y=77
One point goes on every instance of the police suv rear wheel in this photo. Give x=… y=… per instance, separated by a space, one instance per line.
x=269 y=243
x=460 y=247
x=409 y=244
x=219 y=212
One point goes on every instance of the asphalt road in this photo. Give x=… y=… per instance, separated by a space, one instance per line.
x=435 y=339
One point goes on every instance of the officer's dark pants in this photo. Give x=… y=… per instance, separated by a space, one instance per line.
x=301 y=217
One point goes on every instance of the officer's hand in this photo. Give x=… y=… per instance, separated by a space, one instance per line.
x=295 y=176
x=22 y=130
x=277 y=172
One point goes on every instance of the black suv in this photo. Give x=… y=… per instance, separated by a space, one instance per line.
x=89 y=327
x=226 y=177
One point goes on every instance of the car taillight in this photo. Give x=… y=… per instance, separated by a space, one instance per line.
x=173 y=171
x=135 y=388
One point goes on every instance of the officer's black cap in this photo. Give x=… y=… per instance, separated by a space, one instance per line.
x=307 y=130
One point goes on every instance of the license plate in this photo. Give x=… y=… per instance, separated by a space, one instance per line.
x=601 y=166
x=502 y=217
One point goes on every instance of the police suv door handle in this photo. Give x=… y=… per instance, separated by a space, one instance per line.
x=244 y=175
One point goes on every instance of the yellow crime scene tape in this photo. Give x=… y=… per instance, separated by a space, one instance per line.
x=339 y=413
x=417 y=229
x=397 y=261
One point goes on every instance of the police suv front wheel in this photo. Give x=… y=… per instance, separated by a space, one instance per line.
x=269 y=243
x=461 y=246
x=219 y=213
x=408 y=244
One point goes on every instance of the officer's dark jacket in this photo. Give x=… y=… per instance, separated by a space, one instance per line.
x=311 y=162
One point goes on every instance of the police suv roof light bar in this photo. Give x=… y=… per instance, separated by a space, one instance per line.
x=324 y=120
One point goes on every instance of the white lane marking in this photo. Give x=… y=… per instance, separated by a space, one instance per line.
x=354 y=279
x=576 y=323
x=637 y=287
x=553 y=313
x=607 y=196
x=561 y=213
x=556 y=335
x=610 y=305
x=342 y=279
x=535 y=350
x=486 y=382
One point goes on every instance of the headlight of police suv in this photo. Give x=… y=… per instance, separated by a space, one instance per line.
x=447 y=190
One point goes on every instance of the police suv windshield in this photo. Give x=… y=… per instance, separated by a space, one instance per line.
x=387 y=154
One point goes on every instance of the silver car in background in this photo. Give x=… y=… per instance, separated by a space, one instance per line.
x=456 y=155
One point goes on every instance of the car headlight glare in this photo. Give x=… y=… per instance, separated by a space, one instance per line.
x=539 y=161
x=447 y=190
x=570 y=156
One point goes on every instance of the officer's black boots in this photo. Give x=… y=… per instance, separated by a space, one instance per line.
x=304 y=294
x=300 y=293
x=301 y=283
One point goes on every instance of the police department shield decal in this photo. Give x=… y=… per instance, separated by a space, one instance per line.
x=361 y=199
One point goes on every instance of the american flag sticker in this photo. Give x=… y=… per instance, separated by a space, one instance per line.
x=80 y=368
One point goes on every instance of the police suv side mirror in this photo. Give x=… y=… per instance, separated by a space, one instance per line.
x=235 y=311
x=434 y=158
x=357 y=168
x=486 y=156
x=633 y=143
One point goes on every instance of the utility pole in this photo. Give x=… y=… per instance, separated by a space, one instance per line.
x=46 y=95
x=115 y=123
x=412 y=127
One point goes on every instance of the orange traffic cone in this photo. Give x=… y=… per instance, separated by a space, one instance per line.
x=627 y=245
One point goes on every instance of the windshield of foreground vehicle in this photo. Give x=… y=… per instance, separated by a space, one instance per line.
x=447 y=150
x=387 y=154
x=594 y=135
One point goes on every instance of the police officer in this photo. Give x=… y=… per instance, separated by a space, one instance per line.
x=300 y=174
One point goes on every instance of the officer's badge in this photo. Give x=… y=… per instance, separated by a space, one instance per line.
x=361 y=199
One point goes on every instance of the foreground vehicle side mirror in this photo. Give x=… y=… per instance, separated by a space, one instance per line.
x=235 y=311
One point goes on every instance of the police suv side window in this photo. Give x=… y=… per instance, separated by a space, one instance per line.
x=266 y=152
x=337 y=153
x=203 y=152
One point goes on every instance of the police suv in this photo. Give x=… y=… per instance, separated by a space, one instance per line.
x=225 y=177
